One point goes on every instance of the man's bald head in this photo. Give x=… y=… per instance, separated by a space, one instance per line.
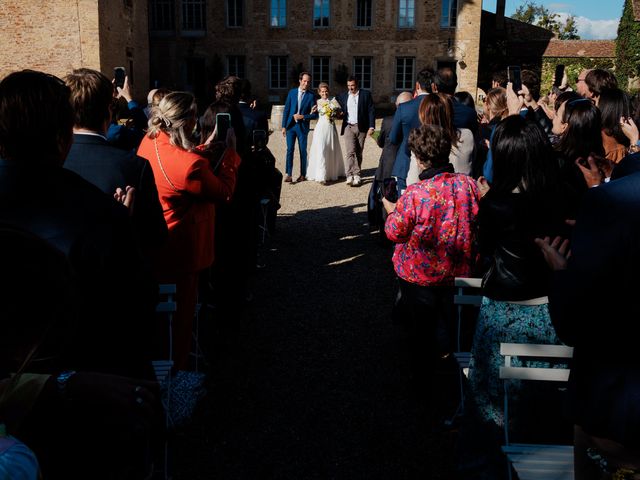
x=403 y=97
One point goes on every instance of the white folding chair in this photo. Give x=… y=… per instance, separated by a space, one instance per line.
x=535 y=461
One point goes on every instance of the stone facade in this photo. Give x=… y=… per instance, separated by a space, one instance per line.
x=57 y=36
x=255 y=40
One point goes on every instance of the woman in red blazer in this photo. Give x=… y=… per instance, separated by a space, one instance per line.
x=188 y=190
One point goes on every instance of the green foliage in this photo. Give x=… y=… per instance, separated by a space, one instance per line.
x=572 y=66
x=627 y=46
x=541 y=16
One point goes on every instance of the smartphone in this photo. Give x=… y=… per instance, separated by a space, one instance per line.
x=557 y=79
x=223 y=123
x=390 y=189
x=259 y=138
x=513 y=74
x=119 y=73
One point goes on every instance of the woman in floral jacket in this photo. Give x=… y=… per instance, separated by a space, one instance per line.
x=433 y=226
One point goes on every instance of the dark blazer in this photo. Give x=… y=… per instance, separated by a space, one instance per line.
x=108 y=168
x=116 y=298
x=366 y=110
x=291 y=107
x=594 y=308
x=253 y=120
x=464 y=117
x=405 y=119
x=389 y=150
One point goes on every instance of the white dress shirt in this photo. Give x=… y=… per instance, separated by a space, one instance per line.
x=352 y=107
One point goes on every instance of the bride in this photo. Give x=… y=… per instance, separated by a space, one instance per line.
x=325 y=156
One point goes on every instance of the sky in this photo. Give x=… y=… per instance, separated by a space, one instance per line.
x=595 y=19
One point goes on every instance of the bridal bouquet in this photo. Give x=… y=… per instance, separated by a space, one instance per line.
x=329 y=109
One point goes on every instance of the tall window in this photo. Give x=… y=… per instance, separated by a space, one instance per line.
x=162 y=15
x=362 y=71
x=278 y=13
x=277 y=72
x=449 y=17
x=363 y=13
x=235 y=65
x=235 y=14
x=405 y=73
x=406 y=14
x=193 y=15
x=321 y=13
x=319 y=71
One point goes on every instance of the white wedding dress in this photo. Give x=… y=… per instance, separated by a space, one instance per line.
x=325 y=157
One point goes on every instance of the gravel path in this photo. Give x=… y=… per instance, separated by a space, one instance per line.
x=312 y=380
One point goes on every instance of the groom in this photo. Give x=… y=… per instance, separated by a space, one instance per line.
x=295 y=124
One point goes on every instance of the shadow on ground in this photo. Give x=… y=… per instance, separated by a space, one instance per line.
x=311 y=380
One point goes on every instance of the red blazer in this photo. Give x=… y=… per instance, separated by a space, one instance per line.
x=188 y=189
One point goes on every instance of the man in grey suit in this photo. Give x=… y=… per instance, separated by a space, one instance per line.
x=358 y=121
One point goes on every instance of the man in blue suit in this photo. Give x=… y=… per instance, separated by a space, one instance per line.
x=406 y=119
x=295 y=124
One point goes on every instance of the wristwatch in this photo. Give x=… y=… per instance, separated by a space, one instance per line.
x=62 y=379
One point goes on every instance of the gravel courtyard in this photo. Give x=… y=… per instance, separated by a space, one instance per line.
x=311 y=380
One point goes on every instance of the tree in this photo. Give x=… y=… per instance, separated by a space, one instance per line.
x=627 y=46
x=541 y=16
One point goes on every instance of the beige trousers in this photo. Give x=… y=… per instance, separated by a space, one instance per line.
x=354 y=144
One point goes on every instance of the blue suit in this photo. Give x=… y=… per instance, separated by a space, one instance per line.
x=298 y=130
x=405 y=119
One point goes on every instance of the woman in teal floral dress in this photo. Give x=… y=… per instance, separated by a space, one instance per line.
x=522 y=203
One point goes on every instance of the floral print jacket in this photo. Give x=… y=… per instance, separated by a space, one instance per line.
x=434 y=226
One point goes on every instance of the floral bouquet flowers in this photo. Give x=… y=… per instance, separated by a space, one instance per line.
x=329 y=109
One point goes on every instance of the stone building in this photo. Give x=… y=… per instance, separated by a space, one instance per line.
x=57 y=36
x=384 y=43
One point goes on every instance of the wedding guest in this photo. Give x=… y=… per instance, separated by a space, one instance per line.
x=604 y=383
x=437 y=109
x=596 y=81
x=106 y=166
x=189 y=190
x=117 y=297
x=523 y=199
x=495 y=110
x=614 y=105
x=433 y=227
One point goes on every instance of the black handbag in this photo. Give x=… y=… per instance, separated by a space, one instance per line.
x=374 y=204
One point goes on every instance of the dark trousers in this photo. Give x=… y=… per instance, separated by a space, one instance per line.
x=293 y=133
x=430 y=313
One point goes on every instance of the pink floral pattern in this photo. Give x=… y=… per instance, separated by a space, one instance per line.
x=434 y=226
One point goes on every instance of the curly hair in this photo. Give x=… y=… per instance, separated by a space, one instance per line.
x=431 y=144
x=229 y=89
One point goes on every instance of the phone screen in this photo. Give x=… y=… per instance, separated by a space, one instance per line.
x=557 y=79
x=119 y=73
x=223 y=123
x=390 y=189
x=513 y=73
x=259 y=138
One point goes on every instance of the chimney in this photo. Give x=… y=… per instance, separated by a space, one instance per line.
x=500 y=6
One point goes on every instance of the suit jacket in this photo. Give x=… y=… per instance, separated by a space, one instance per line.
x=291 y=108
x=464 y=117
x=366 y=110
x=389 y=150
x=108 y=168
x=188 y=189
x=405 y=119
x=116 y=296
x=253 y=120
x=593 y=307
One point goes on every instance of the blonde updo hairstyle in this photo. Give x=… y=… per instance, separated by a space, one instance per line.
x=173 y=116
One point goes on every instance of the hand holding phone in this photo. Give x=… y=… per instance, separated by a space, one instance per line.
x=513 y=74
x=119 y=74
x=557 y=79
x=223 y=123
x=390 y=189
